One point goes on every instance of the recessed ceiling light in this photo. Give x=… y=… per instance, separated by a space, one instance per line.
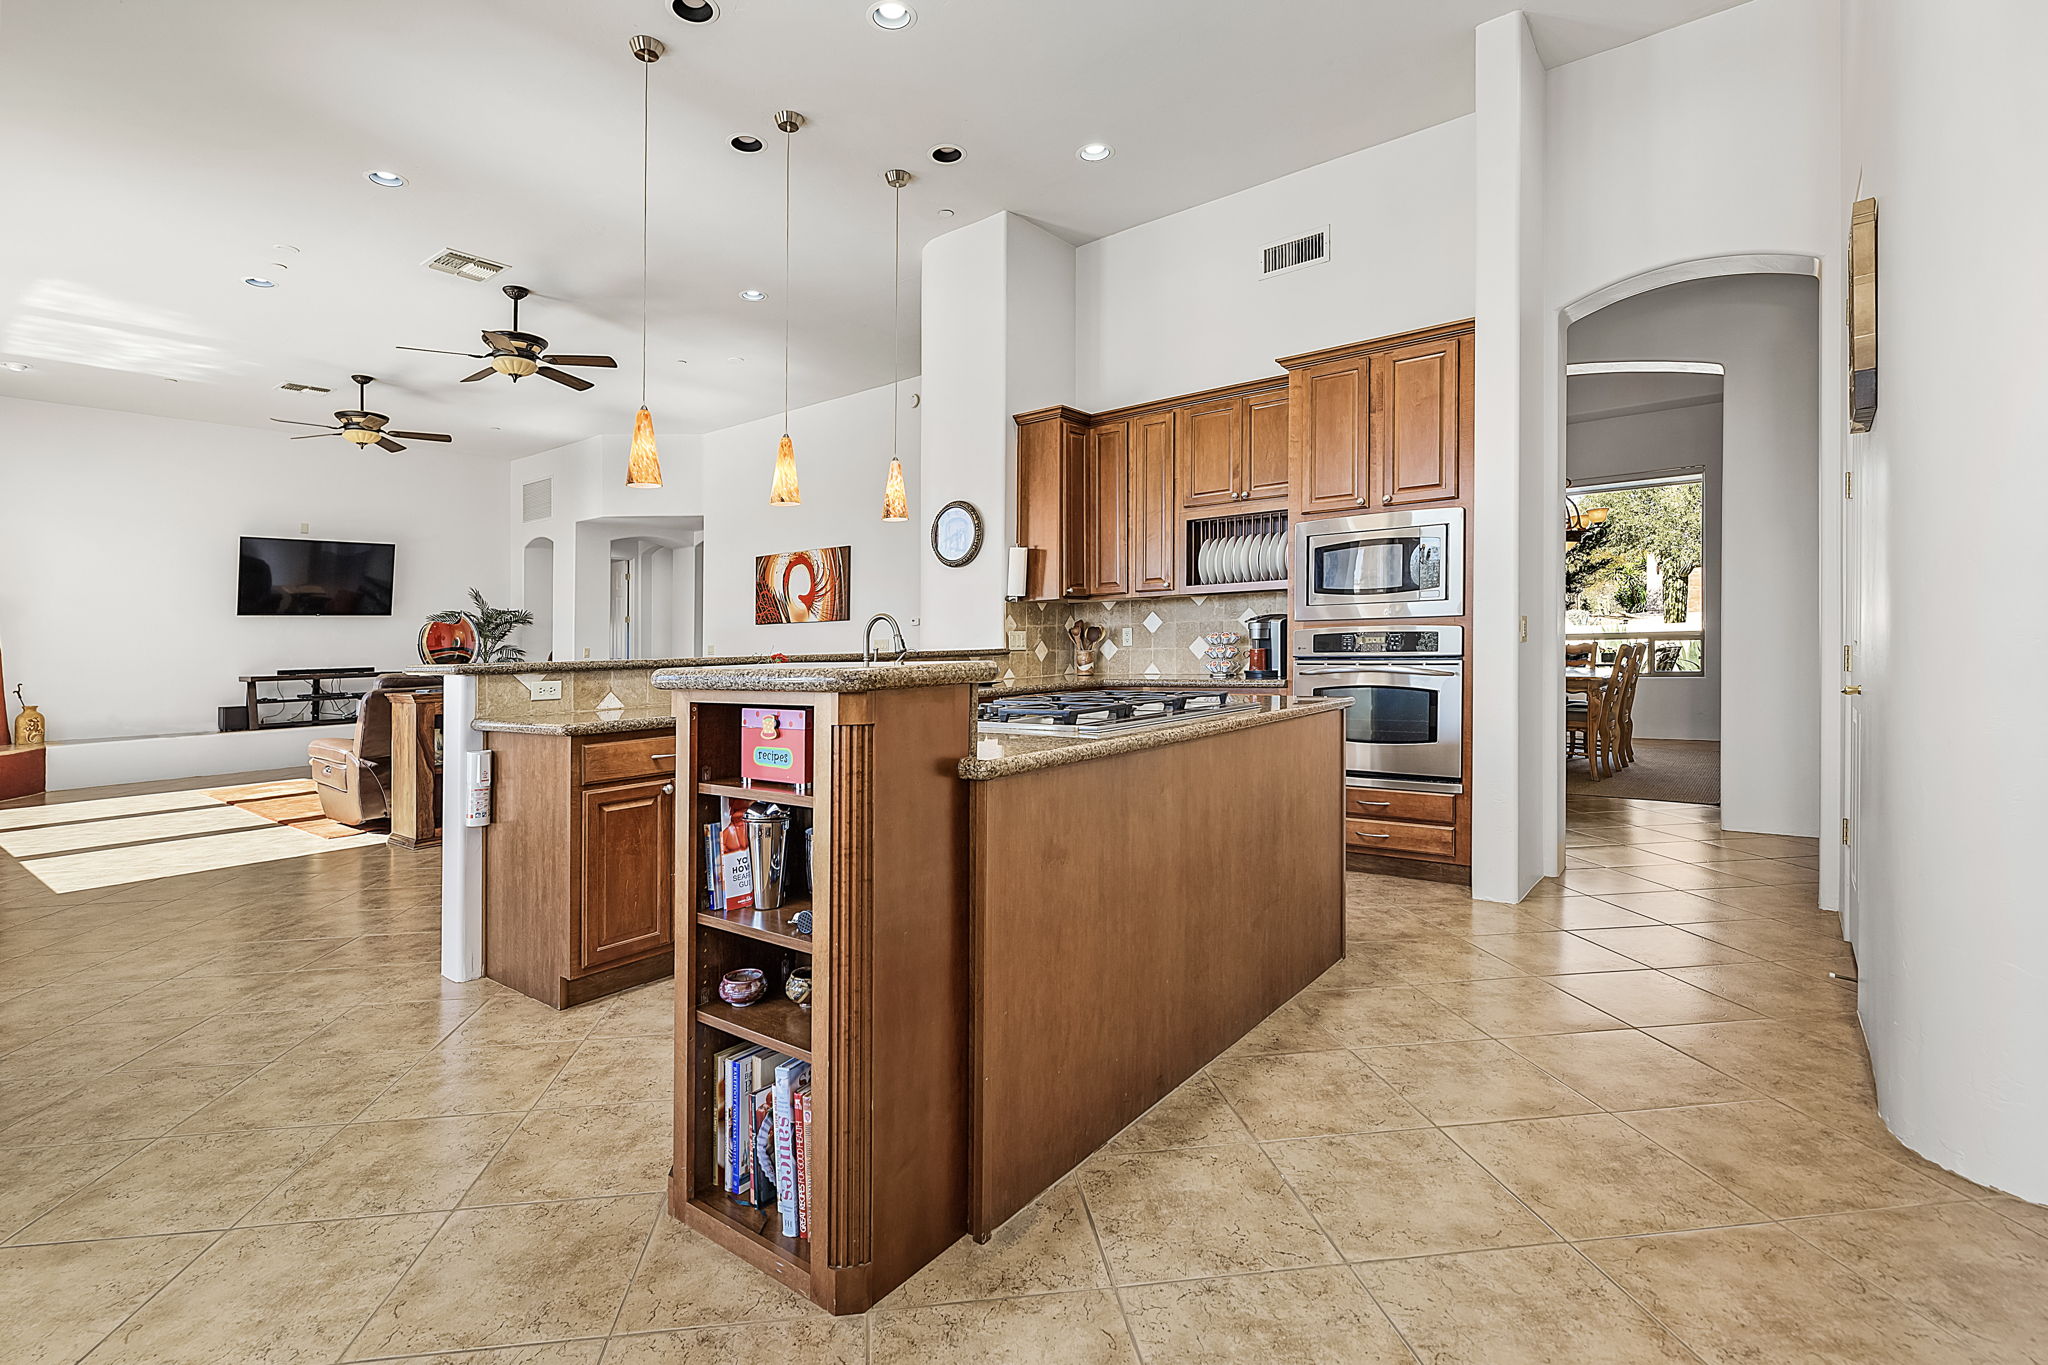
x=752 y=295
x=746 y=144
x=945 y=213
x=18 y=366
x=258 y=282
x=734 y=359
x=1095 y=151
x=283 y=247
x=702 y=12
x=891 y=14
x=946 y=154
x=389 y=180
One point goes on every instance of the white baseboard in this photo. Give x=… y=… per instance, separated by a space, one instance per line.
x=152 y=758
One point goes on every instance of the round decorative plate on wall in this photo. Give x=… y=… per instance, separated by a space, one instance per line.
x=956 y=534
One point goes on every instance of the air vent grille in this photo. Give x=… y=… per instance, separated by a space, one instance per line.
x=1280 y=257
x=463 y=265
x=304 y=388
x=537 y=500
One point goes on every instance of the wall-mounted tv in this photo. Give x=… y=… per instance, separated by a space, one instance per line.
x=314 y=577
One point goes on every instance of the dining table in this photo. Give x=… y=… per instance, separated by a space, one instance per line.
x=1587 y=679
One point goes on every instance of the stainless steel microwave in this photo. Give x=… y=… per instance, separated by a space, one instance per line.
x=1382 y=565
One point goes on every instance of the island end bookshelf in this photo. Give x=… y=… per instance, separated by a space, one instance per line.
x=886 y=1031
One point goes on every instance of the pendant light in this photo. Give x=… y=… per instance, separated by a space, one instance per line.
x=643 y=461
x=783 y=491
x=895 y=497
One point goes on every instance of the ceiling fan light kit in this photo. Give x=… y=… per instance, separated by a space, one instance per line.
x=361 y=427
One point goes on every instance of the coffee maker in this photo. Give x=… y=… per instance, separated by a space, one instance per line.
x=1266 y=656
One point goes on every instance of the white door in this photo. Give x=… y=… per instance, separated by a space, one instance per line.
x=622 y=608
x=1852 y=692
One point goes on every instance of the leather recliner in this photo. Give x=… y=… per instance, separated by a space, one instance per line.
x=353 y=776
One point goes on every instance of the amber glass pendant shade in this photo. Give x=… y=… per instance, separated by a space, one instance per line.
x=895 y=498
x=783 y=492
x=643 y=461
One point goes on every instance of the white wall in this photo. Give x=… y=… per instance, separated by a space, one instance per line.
x=118 y=538
x=1178 y=304
x=1629 y=443
x=1762 y=330
x=1945 y=105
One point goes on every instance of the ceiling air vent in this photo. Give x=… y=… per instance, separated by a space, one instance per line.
x=537 y=500
x=304 y=388
x=463 y=265
x=1281 y=257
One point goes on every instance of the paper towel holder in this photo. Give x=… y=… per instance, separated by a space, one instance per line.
x=1019 y=572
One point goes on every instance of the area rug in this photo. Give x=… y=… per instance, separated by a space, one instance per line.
x=1687 y=770
x=293 y=803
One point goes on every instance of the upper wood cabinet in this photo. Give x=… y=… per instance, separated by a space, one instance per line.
x=1415 y=422
x=1155 y=528
x=1233 y=450
x=1052 y=498
x=1385 y=424
x=1328 y=425
x=1106 y=518
x=1266 y=464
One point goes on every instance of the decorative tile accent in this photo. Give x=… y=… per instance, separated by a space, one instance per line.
x=1152 y=623
x=1108 y=649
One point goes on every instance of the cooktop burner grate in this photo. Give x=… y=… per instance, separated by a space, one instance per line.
x=1101 y=709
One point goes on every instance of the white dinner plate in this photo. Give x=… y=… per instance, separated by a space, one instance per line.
x=1205 y=562
x=1239 y=548
x=1276 y=556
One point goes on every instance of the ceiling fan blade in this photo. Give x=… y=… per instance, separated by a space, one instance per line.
x=388 y=444
x=432 y=350
x=420 y=436
x=485 y=373
x=503 y=341
x=571 y=380
x=291 y=423
x=600 y=361
x=316 y=435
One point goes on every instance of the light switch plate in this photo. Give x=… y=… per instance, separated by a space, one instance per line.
x=1125 y=637
x=1017 y=638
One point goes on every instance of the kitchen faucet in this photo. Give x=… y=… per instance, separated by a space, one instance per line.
x=867 y=638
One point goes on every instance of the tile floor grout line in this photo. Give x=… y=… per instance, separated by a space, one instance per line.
x=639 y=1262
x=1102 y=1252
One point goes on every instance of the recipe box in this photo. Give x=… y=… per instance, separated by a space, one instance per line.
x=775 y=744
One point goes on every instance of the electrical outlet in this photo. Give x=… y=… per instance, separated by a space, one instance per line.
x=1017 y=638
x=550 y=690
x=1124 y=637
x=305 y=528
x=1525 y=630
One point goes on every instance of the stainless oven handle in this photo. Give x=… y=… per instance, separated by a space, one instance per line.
x=1324 y=670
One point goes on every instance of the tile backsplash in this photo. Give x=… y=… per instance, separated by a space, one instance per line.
x=1165 y=635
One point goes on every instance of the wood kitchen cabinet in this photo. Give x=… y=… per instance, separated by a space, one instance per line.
x=1383 y=424
x=1106 y=513
x=1329 y=423
x=579 y=863
x=1418 y=395
x=1267 y=466
x=1052 y=501
x=1233 y=450
x=1155 y=525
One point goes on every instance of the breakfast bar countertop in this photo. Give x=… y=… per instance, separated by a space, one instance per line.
x=584 y=723
x=1006 y=755
x=798 y=676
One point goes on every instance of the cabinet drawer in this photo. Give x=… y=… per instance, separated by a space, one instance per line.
x=1371 y=803
x=1392 y=836
x=613 y=760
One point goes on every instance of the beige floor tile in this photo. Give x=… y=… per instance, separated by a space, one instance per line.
x=1529 y=1304
x=687 y=1280
x=56 y=1302
x=1555 y=953
x=123 y=1104
x=1761 y=1295
x=1676 y=849
x=1307 y=1094
x=34 y=1180
x=1407 y=1193
x=1440 y=957
x=1695 y=876
x=403 y=1166
x=1774 y=991
x=1517 y=1006
x=522 y=1273
x=1769 y=901
x=1665 y=945
x=1773 y=872
x=196 y=997
x=492 y=1080
x=1590 y=1175
x=1382 y=1016
x=1627 y=857
x=1603 y=881
x=1961 y=1265
x=636 y=1069
x=1193 y=1115
x=1356 y=971
x=1771 y=1054
x=1584 y=912
x=90 y=1048
x=287 y=1295
x=1047 y=1247
x=1492 y=917
x=246 y=1040
x=1629 y=1070
x=299 y=1089
x=2033 y=1217
x=517 y=1019
x=1293 y=1315
x=1073 y=1329
x=1676 y=907
x=1478 y=1082
x=1784 y=1162
x=1287 y=1029
x=645 y=1009
x=1199 y=1211
x=277 y=955
x=180 y=1184
x=402 y=1027
x=1647 y=998
x=813 y=1341
x=589 y=1153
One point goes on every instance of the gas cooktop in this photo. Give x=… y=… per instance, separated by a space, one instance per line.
x=1103 y=711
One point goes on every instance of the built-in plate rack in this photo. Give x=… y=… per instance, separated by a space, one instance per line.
x=1238 y=553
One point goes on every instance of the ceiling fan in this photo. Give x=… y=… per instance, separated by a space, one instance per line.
x=518 y=354
x=361 y=427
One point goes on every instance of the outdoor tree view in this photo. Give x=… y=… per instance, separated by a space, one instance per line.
x=1637 y=573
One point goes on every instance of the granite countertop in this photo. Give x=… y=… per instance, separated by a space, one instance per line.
x=1188 y=683
x=1003 y=755
x=590 y=665
x=584 y=723
x=798 y=676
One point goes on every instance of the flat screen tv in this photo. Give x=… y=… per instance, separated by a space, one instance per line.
x=314 y=577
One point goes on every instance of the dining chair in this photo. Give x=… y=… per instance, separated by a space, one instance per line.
x=1625 y=714
x=1579 y=651
x=1589 y=723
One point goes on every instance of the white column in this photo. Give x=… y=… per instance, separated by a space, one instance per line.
x=462 y=848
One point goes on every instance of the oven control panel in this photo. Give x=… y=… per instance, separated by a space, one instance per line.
x=1435 y=640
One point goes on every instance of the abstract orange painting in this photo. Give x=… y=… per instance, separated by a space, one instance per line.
x=803 y=585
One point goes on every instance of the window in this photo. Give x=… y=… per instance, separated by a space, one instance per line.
x=1634 y=569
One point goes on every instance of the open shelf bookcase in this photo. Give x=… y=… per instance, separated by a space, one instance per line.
x=886 y=1031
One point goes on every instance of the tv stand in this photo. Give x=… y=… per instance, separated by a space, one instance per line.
x=316 y=694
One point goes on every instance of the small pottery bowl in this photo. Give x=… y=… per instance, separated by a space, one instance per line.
x=743 y=987
x=798 y=987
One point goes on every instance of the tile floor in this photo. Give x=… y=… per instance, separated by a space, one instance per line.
x=242 y=1118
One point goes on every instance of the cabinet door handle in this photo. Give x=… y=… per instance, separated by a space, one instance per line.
x=1371 y=803
x=1387 y=500
x=654 y=756
x=668 y=789
x=1363 y=835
